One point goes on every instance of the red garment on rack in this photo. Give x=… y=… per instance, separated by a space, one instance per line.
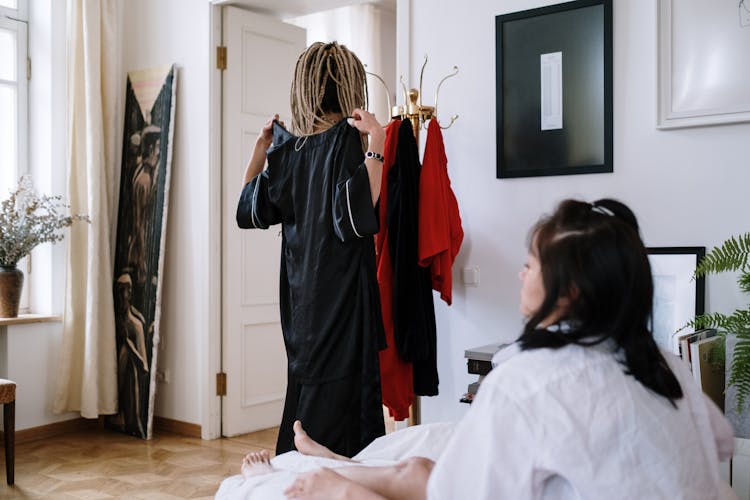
x=440 y=232
x=396 y=375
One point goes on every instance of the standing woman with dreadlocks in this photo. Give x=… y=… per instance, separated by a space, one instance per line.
x=322 y=183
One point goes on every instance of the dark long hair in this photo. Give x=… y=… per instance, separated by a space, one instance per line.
x=592 y=254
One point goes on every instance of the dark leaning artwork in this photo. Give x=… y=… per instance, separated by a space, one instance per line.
x=139 y=251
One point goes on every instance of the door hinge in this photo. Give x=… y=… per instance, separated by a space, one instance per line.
x=221 y=58
x=28 y=68
x=221 y=384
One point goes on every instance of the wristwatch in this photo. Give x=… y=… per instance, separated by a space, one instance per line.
x=375 y=156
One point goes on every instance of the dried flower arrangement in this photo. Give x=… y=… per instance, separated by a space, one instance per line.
x=28 y=219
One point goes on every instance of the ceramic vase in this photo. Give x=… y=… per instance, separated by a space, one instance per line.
x=11 y=283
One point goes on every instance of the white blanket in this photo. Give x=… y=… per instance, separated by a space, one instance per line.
x=427 y=440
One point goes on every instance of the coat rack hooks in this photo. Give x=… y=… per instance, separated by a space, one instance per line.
x=406 y=92
x=387 y=92
x=437 y=94
x=421 y=75
x=413 y=109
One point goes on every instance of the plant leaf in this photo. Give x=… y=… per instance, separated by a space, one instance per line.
x=732 y=255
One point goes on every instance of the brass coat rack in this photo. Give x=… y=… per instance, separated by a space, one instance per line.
x=413 y=109
x=418 y=114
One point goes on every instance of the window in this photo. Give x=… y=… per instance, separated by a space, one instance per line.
x=14 y=103
x=13 y=93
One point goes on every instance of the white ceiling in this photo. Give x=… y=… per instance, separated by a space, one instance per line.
x=294 y=8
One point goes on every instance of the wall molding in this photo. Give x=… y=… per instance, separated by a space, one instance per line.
x=57 y=428
x=80 y=424
x=178 y=427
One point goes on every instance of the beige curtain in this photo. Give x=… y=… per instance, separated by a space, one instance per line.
x=87 y=380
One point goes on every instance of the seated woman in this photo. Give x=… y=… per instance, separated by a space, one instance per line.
x=584 y=405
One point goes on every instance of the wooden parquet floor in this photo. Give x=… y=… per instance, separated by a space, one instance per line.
x=102 y=464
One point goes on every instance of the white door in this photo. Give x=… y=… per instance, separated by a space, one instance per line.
x=261 y=54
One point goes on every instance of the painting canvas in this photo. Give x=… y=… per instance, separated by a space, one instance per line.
x=678 y=296
x=139 y=251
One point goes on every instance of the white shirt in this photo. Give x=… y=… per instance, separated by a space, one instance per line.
x=570 y=424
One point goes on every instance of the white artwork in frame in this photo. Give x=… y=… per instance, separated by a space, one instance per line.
x=678 y=297
x=702 y=52
x=551 y=82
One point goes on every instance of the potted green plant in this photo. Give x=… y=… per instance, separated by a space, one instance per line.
x=27 y=219
x=732 y=255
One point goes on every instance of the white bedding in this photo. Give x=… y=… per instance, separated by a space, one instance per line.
x=427 y=440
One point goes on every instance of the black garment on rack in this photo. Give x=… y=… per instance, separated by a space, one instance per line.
x=413 y=307
x=319 y=190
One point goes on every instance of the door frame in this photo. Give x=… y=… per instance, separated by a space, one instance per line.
x=211 y=409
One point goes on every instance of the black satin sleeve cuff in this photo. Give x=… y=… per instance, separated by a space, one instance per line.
x=255 y=209
x=353 y=213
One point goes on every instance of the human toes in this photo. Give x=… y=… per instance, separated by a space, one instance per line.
x=297 y=427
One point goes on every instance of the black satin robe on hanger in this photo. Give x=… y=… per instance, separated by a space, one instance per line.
x=414 y=327
x=318 y=189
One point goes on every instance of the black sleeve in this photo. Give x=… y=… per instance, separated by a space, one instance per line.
x=354 y=216
x=255 y=208
x=353 y=213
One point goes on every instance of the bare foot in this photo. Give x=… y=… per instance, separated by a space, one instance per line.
x=308 y=446
x=256 y=463
x=324 y=484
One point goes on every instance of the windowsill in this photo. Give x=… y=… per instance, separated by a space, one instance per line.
x=23 y=319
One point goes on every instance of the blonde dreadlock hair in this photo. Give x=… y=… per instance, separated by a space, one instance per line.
x=328 y=78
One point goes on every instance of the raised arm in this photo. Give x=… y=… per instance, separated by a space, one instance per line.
x=366 y=123
x=258 y=158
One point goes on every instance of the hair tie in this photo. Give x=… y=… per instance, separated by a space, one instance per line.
x=602 y=210
x=564 y=326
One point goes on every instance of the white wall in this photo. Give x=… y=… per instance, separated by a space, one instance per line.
x=29 y=356
x=688 y=186
x=157 y=33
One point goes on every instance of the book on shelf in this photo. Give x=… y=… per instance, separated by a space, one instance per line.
x=478 y=366
x=708 y=373
x=684 y=340
x=479 y=359
x=479 y=362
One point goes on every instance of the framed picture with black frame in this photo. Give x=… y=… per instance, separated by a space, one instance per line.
x=678 y=296
x=554 y=90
